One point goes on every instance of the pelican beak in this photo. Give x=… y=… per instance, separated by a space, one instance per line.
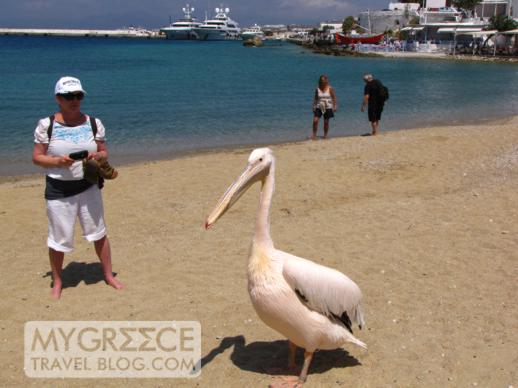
x=252 y=174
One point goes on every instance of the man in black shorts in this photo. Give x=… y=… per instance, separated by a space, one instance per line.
x=373 y=100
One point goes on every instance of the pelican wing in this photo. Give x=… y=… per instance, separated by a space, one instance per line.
x=324 y=289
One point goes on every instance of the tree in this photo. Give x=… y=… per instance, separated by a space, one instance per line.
x=466 y=5
x=502 y=23
x=326 y=28
x=348 y=24
x=414 y=21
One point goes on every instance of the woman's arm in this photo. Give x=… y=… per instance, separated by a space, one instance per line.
x=40 y=157
x=333 y=97
x=315 y=99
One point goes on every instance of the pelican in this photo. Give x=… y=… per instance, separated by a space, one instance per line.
x=312 y=305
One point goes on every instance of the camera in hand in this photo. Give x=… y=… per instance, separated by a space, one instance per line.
x=78 y=155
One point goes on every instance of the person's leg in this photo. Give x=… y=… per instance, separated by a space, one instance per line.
x=102 y=248
x=91 y=217
x=61 y=215
x=375 y=125
x=315 y=127
x=56 y=267
x=326 y=127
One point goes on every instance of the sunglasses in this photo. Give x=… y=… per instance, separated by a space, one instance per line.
x=71 y=96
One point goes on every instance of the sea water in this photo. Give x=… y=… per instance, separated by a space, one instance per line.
x=161 y=99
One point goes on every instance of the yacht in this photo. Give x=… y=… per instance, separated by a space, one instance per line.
x=219 y=28
x=252 y=32
x=182 y=29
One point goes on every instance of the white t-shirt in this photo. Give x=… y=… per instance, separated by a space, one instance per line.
x=64 y=141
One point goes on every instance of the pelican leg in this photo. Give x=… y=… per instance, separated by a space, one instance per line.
x=308 y=356
x=287 y=381
x=291 y=356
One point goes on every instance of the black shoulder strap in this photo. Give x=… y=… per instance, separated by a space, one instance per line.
x=93 y=124
x=49 y=129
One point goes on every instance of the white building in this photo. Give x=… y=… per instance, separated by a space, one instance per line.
x=394 y=18
x=333 y=25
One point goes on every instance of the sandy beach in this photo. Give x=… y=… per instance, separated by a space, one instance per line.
x=424 y=220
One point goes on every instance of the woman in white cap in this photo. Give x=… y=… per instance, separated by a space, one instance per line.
x=61 y=141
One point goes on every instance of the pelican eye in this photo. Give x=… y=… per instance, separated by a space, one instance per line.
x=260 y=159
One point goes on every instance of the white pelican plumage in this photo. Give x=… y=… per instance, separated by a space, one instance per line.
x=312 y=305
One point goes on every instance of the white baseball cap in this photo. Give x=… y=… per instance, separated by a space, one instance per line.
x=68 y=85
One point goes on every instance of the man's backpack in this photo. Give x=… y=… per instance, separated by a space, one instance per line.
x=383 y=92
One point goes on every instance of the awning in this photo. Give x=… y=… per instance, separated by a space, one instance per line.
x=480 y=33
x=412 y=29
x=459 y=31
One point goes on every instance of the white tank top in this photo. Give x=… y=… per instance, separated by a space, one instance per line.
x=324 y=101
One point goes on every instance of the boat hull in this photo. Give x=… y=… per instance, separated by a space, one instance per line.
x=367 y=39
x=252 y=35
x=180 y=34
x=207 y=34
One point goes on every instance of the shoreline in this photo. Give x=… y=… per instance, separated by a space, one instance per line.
x=240 y=147
x=338 y=51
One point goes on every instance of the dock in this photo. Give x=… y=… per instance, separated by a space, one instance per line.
x=119 y=33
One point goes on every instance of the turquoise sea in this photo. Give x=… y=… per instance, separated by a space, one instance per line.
x=160 y=99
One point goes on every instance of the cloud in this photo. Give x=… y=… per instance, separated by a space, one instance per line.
x=311 y=5
x=156 y=13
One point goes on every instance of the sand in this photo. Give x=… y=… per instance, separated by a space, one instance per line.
x=425 y=221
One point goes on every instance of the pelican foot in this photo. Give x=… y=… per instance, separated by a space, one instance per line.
x=286 y=382
x=282 y=371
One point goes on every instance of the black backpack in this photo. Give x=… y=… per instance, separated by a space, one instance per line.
x=93 y=124
x=383 y=92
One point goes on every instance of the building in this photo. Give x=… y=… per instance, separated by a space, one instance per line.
x=393 y=18
x=437 y=21
x=334 y=25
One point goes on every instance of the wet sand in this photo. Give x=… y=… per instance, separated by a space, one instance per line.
x=425 y=221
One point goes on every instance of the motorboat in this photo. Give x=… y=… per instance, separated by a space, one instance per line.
x=252 y=32
x=221 y=27
x=358 y=38
x=182 y=29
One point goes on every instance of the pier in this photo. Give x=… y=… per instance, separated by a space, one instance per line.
x=119 y=33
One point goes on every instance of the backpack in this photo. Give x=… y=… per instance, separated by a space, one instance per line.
x=384 y=92
x=93 y=124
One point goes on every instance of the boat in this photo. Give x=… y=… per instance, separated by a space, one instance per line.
x=252 y=32
x=182 y=29
x=219 y=28
x=253 y=42
x=358 y=38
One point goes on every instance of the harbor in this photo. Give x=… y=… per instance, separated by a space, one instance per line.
x=130 y=32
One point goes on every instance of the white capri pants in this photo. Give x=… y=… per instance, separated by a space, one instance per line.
x=62 y=214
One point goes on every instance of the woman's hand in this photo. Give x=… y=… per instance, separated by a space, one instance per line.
x=96 y=155
x=63 y=161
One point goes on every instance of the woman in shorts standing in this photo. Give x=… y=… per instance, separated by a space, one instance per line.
x=324 y=104
x=68 y=195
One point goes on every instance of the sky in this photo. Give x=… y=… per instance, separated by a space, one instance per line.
x=156 y=13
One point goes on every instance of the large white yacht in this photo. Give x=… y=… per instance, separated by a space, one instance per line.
x=252 y=32
x=219 y=28
x=182 y=29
